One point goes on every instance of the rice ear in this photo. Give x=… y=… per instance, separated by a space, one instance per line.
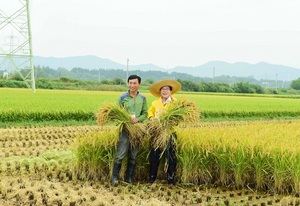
x=135 y=132
x=160 y=130
x=113 y=113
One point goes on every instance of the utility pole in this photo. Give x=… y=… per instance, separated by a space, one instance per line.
x=16 y=44
x=213 y=75
x=99 y=76
x=127 y=70
x=276 y=82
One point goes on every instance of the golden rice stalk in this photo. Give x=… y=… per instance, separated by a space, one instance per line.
x=159 y=136
x=113 y=113
x=180 y=111
x=160 y=130
x=135 y=132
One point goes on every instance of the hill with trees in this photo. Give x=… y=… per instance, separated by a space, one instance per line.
x=115 y=80
x=259 y=71
x=99 y=75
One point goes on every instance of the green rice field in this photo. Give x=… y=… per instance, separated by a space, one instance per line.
x=72 y=100
x=22 y=105
x=221 y=160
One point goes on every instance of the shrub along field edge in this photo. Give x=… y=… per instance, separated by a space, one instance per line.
x=10 y=118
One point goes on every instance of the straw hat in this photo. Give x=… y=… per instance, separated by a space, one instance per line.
x=155 y=88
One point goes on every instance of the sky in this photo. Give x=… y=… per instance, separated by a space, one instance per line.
x=169 y=33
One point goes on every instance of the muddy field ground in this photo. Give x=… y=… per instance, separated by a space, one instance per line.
x=28 y=177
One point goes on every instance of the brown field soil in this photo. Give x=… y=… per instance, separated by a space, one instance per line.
x=54 y=185
x=38 y=190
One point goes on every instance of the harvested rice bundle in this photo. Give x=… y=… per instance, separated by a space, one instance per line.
x=159 y=134
x=113 y=113
x=180 y=111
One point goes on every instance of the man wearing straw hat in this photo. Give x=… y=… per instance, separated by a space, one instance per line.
x=163 y=90
x=136 y=104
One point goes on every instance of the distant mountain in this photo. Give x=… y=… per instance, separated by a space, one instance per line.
x=88 y=62
x=85 y=62
x=211 y=69
x=258 y=71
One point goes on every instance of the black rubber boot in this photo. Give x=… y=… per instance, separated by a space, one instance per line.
x=129 y=173
x=153 y=171
x=171 y=173
x=115 y=173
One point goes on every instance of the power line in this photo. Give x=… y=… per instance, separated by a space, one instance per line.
x=16 y=48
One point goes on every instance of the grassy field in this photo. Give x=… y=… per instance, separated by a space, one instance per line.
x=73 y=100
x=21 y=105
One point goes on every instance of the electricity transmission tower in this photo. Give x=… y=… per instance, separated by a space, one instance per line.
x=15 y=40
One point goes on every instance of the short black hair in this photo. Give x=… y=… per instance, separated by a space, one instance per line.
x=134 y=76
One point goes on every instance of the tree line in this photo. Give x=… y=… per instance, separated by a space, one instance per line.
x=113 y=79
x=100 y=74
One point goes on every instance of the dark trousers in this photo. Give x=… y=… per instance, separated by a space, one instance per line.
x=170 y=155
x=124 y=148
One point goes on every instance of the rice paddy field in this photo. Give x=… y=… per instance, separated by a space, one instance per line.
x=244 y=150
x=21 y=105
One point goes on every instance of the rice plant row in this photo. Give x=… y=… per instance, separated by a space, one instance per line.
x=260 y=155
x=83 y=116
x=50 y=178
x=263 y=155
x=35 y=116
x=15 y=142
